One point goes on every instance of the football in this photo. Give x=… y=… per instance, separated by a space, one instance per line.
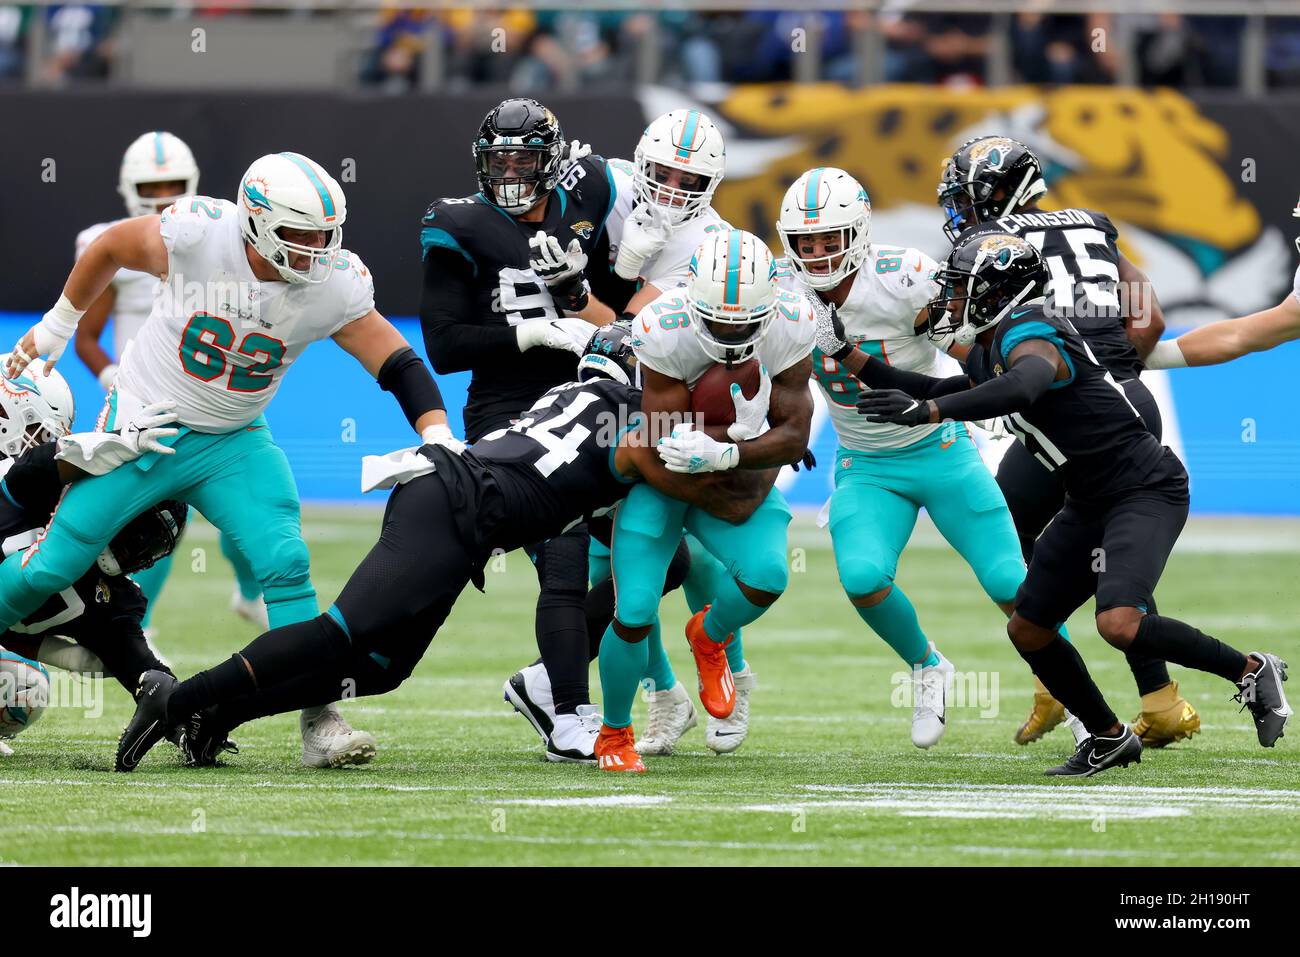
x=711 y=403
x=24 y=693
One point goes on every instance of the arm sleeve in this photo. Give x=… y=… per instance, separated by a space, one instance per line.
x=1022 y=385
x=881 y=375
x=452 y=339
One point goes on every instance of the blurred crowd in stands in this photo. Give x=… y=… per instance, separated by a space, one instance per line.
x=535 y=52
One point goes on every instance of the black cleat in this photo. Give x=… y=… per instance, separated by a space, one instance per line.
x=202 y=740
x=1098 y=753
x=148 y=725
x=1261 y=692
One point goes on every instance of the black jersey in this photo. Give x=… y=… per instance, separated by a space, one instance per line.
x=29 y=492
x=1078 y=246
x=1085 y=425
x=552 y=469
x=471 y=233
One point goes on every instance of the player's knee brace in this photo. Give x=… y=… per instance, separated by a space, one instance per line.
x=562 y=568
x=861 y=577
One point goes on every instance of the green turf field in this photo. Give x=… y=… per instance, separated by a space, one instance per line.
x=828 y=776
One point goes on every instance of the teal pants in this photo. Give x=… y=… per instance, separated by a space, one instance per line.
x=873 y=511
x=703 y=582
x=240 y=481
x=647 y=529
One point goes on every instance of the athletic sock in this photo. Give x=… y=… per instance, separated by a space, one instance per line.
x=730 y=611
x=1059 y=666
x=622 y=665
x=894 y=620
x=563 y=642
x=1151 y=674
x=659 y=670
x=736 y=654
x=278 y=655
x=1172 y=640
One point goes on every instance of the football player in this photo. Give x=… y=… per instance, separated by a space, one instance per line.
x=730 y=311
x=247 y=287
x=576 y=451
x=1230 y=339
x=94 y=626
x=1126 y=494
x=885 y=473
x=662 y=213
x=157 y=169
x=1112 y=305
x=505 y=296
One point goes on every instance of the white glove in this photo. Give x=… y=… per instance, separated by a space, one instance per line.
x=645 y=232
x=554 y=265
x=441 y=434
x=570 y=334
x=750 y=413
x=107 y=376
x=98 y=453
x=690 y=451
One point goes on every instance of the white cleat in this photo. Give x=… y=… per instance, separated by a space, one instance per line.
x=573 y=738
x=252 y=610
x=671 y=715
x=5 y=750
x=930 y=701
x=724 y=735
x=328 y=741
x=529 y=691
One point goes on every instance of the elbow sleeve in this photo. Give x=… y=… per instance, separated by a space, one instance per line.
x=406 y=376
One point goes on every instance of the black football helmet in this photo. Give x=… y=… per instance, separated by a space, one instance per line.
x=609 y=354
x=988 y=273
x=978 y=172
x=518 y=154
x=150 y=536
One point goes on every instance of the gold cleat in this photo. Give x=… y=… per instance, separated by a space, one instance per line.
x=1166 y=717
x=1045 y=715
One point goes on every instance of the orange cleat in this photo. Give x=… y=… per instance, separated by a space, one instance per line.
x=717 y=686
x=616 y=750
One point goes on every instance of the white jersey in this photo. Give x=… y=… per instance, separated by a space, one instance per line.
x=664 y=341
x=219 y=340
x=890 y=287
x=1295 y=284
x=668 y=268
x=133 y=292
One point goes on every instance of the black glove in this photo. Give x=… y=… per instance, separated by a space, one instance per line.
x=809 y=461
x=894 y=407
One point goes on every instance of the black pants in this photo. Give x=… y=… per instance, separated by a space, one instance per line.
x=1114 y=550
x=1034 y=495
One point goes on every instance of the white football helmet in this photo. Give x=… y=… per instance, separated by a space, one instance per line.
x=731 y=294
x=34 y=409
x=824 y=200
x=287 y=190
x=684 y=140
x=156 y=157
